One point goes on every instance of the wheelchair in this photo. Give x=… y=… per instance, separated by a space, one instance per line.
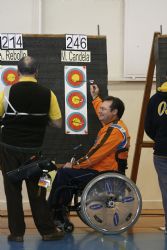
x=110 y=203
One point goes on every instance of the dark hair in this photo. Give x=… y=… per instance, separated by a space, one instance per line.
x=116 y=104
x=27 y=66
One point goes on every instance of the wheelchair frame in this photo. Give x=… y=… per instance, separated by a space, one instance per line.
x=110 y=203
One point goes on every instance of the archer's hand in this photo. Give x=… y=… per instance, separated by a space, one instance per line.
x=94 y=90
x=68 y=165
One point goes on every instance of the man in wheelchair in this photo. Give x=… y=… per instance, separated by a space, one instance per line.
x=109 y=153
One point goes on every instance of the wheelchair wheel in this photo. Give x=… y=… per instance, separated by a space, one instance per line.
x=65 y=226
x=110 y=203
x=68 y=227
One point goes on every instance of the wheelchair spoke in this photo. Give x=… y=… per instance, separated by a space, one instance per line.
x=127 y=199
x=116 y=218
x=108 y=188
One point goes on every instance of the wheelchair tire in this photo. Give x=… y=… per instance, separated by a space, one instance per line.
x=68 y=227
x=110 y=203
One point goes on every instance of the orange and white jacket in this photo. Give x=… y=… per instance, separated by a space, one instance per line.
x=111 y=138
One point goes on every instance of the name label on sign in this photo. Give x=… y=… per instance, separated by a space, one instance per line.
x=76 y=42
x=12 y=55
x=11 y=41
x=75 y=56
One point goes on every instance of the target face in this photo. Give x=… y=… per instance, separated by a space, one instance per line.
x=75 y=78
x=9 y=76
x=76 y=122
x=76 y=99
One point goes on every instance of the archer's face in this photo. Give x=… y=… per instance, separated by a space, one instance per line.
x=105 y=114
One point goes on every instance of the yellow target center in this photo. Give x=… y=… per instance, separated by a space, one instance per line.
x=76 y=122
x=75 y=100
x=11 y=77
x=75 y=78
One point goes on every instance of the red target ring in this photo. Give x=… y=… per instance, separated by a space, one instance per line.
x=10 y=76
x=76 y=99
x=75 y=78
x=76 y=122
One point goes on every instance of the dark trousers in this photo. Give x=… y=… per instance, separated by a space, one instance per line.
x=160 y=164
x=59 y=197
x=11 y=159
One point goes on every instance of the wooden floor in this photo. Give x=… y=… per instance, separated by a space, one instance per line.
x=149 y=221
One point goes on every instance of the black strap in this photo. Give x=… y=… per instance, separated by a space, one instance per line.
x=122 y=163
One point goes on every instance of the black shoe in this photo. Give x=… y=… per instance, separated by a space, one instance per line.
x=54 y=236
x=15 y=238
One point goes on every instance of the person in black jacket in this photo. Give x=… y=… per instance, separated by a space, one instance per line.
x=26 y=108
x=156 y=129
